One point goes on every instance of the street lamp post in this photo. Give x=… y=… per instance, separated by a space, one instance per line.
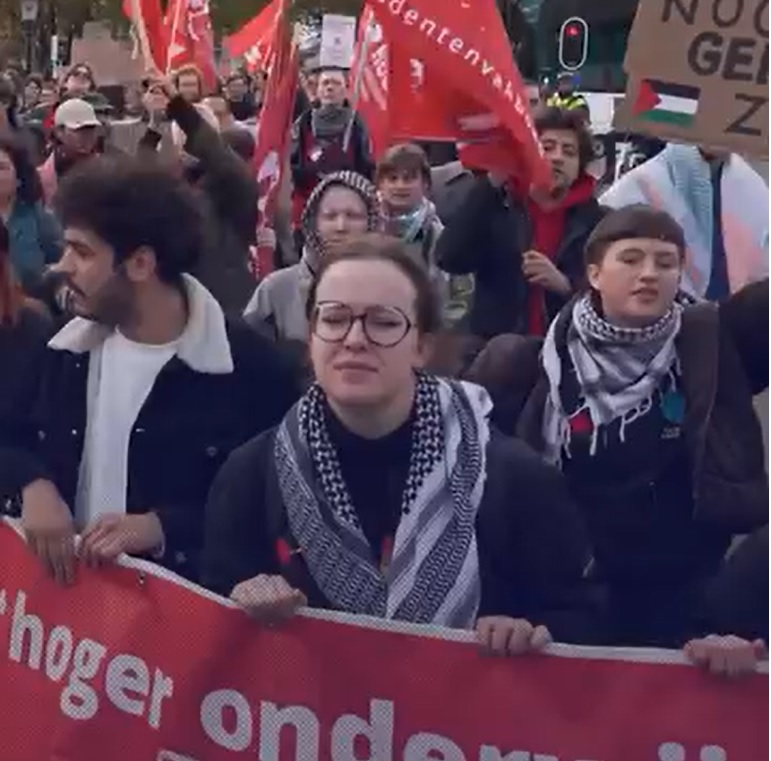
x=29 y=14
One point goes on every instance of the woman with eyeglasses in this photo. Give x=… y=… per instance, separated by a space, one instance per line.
x=385 y=492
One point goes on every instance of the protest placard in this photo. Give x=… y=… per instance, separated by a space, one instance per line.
x=133 y=664
x=338 y=37
x=698 y=72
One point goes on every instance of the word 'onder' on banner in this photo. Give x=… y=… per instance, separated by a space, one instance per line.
x=134 y=665
x=698 y=72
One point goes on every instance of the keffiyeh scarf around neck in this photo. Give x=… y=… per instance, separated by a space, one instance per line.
x=618 y=370
x=408 y=227
x=433 y=576
x=329 y=122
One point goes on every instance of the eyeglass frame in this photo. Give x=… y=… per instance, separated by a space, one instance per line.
x=354 y=318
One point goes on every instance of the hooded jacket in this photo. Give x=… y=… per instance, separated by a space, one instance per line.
x=279 y=301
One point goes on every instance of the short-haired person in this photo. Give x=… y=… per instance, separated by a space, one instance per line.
x=319 y=140
x=525 y=248
x=188 y=81
x=143 y=394
x=403 y=180
x=385 y=492
x=646 y=407
x=78 y=135
x=237 y=91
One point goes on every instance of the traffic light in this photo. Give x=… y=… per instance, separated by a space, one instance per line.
x=573 y=43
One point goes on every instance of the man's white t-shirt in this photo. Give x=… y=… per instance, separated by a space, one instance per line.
x=121 y=376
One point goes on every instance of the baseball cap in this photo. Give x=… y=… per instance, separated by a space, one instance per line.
x=75 y=114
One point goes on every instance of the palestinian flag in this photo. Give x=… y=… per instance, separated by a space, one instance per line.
x=666 y=103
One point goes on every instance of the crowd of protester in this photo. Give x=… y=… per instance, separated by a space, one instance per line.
x=457 y=401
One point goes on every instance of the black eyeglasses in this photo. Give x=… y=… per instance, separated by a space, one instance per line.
x=383 y=326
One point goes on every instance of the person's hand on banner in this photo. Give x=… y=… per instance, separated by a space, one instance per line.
x=727 y=656
x=111 y=535
x=269 y=599
x=540 y=270
x=500 y=635
x=49 y=529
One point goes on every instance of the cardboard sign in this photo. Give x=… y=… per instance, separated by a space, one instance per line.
x=338 y=38
x=698 y=73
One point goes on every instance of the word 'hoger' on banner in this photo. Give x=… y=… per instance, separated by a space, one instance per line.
x=132 y=664
x=698 y=72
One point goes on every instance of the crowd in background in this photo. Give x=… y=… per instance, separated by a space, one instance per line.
x=455 y=401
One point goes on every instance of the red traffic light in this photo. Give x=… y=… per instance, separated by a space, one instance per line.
x=573 y=43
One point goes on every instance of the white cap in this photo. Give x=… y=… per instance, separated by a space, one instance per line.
x=75 y=114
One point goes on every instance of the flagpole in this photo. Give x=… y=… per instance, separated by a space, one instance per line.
x=358 y=79
x=173 y=36
x=141 y=32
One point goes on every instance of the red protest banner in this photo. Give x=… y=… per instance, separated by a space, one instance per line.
x=132 y=665
x=253 y=40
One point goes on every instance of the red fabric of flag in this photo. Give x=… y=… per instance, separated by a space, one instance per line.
x=273 y=135
x=191 y=39
x=464 y=43
x=369 y=73
x=253 y=40
x=146 y=17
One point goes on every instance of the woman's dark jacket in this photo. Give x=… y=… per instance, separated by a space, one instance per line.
x=722 y=435
x=532 y=546
x=487 y=235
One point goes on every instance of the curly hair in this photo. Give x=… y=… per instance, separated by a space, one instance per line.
x=30 y=190
x=130 y=203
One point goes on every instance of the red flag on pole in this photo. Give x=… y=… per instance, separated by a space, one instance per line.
x=254 y=39
x=464 y=44
x=146 y=18
x=272 y=139
x=191 y=39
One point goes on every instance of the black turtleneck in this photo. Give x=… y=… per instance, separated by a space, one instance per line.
x=375 y=473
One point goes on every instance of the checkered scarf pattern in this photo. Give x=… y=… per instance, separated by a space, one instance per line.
x=314 y=246
x=433 y=576
x=617 y=369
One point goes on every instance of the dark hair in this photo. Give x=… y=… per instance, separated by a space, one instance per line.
x=75 y=68
x=552 y=118
x=29 y=189
x=376 y=247
x=635 y=221
x=405 y=157
x=130 y=203
x=35 y=79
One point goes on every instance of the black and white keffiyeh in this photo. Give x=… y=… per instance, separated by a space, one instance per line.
x=433 y=576
x=618 y=371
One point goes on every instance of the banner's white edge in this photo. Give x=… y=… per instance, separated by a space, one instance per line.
x=629 y=654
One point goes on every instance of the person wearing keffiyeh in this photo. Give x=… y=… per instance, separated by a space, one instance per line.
x=646 y=407
x=342 y=205
x=385 y=492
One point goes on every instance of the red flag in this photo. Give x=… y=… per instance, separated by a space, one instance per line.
x=191 y=39
x=273 y=134
x=465 y=43
x=146 y=17
x=253 y=40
